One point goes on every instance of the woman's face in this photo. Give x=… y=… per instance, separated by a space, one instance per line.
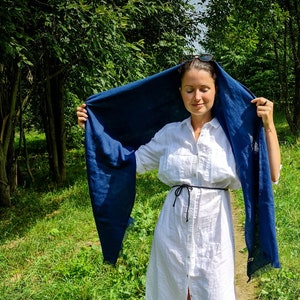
x=198 y=92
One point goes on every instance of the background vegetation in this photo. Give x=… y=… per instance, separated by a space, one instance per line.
x=54 y=54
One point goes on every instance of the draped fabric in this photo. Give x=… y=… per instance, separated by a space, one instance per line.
x=123 y=118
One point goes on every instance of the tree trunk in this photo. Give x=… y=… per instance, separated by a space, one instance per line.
x=294 y=34
x=54 y=124
x=296 y=116
x=8 y=106
x=4 y=186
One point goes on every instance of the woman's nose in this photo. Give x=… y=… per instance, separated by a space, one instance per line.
x=198 y=95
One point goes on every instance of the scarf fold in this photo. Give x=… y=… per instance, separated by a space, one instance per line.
x=123 y=118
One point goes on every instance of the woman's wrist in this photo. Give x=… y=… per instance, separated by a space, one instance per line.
x=268 y=130
x=269 y=127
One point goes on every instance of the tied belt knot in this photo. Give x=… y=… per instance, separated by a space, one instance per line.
x=189 y=188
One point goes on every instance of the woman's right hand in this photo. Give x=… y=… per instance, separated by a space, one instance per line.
x=81 y=115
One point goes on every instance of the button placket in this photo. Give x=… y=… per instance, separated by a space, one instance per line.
x=189 y=234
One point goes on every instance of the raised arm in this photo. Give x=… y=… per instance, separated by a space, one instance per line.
x=265 y=111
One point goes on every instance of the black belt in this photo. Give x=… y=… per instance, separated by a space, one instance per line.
x=189 y=188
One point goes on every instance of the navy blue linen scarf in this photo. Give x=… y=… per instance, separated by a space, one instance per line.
x=123 y=118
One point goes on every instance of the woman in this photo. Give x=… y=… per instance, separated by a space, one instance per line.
x=193 y=248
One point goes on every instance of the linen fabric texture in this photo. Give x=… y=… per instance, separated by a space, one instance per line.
x=124 y=118
x=193 y=243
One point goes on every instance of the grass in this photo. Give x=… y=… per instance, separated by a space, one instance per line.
x=284 y=283
x=49 y=247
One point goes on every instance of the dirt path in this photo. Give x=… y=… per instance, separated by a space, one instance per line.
x=244 y=290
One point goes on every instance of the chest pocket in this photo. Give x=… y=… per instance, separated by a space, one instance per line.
x=222 y=169
x=178 y=164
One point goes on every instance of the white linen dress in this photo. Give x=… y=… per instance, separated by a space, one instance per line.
x=193 y=244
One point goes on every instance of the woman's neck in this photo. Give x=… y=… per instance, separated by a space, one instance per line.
x=198 y=122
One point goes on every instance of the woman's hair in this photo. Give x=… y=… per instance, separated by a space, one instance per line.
x=198 y=64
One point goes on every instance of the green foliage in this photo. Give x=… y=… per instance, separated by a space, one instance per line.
x=96 y=46
x=75 y=134
x=67 y=50
x=13 y=15
x=259 y=45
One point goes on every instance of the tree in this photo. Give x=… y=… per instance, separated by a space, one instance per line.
x=66 y=36
x=12 y=61
x=165 y=27
x=99 y=40
x=291 y=50
x=77 y=48
x=257 y=44
x=9 y=90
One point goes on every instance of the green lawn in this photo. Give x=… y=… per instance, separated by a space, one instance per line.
x=49 y=247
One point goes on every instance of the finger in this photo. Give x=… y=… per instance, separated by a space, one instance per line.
x=81 y=112
x=82 y=118
x=80 y=108
x=268 y=107
x=264 y=103
x=81 y=122
x=260 y=101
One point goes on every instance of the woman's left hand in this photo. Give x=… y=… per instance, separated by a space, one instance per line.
x=264 y=108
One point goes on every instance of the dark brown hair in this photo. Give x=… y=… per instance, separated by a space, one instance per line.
x=197 y=64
